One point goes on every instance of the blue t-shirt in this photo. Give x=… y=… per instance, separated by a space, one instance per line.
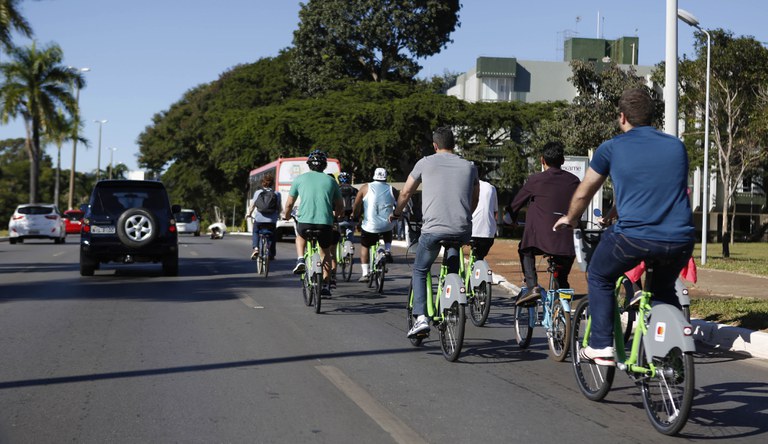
x=649 y=171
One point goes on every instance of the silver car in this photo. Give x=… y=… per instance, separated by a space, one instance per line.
x=36 y=221
x=187 y=221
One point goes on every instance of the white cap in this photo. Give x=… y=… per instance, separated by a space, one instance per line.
x=380 y=174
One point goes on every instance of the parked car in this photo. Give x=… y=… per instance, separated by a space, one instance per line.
x=187 y=221
x=73 y=219
x=129 y=221
x=36 y=221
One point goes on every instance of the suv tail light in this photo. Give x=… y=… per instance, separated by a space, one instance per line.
x=51 y=216
x=20 y=216
x=194 y=218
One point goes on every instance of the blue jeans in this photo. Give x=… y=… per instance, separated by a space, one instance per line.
x=268 y=229
x=426 y=253
x=615 y=254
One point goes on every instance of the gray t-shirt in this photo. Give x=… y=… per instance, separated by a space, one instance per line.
x=446 y=193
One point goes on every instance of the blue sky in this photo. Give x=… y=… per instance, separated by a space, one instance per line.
x=144 y=54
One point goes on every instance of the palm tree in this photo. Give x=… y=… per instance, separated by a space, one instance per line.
x=10 y=20
x=36 y=86
x=61 y=130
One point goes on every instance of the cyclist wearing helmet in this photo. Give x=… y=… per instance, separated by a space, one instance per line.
x=376 y=201
x=319 y=197
x=348 y=193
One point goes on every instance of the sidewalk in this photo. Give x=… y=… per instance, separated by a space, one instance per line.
x=505 y=264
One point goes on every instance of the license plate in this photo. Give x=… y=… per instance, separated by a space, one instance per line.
x=34 y=231
x=103 y=230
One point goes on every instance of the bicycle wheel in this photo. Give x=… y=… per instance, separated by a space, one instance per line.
x=561 y=333
x=452 y=331
x=306 y=288
x=593 y=380
x=346 y=267
x=317 y=285
x=668 y=396
x=380 y=278
x=480 y=304
x=523 y=329
x=627 y=313
x=409 y=309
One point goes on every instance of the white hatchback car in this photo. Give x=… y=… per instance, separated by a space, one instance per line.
x=187 y=221
x=36 y=221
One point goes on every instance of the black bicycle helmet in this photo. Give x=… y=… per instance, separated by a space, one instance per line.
x=317 y=160
x=345 y=177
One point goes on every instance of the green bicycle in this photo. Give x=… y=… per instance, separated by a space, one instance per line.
x=445 y=308
x=377 y=263
x=660 y=359
x=312 y=278
x=477 y=277
x=345 y=250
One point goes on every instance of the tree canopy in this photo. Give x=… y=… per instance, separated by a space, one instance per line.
x=373 y=40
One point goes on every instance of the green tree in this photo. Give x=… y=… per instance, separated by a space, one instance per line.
x=36 y=87
x=591 y=118
x=738 y=107
x=373 y=40
x=60 y=130
x=498 y=135
x=12 y=20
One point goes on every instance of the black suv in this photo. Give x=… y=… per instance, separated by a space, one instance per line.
x=129 y=221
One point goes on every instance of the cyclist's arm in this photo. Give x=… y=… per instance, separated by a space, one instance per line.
x=581 y=198
x=288 y=207
x=358 y=204
x=475 y=196
x=410 y=186
x=338 y=207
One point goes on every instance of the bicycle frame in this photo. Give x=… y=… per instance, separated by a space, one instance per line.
x=666 y=337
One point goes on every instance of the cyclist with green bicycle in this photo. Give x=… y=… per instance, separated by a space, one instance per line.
x=319 y=197
x=450 y=191
x=649 y=171
x=375 y=202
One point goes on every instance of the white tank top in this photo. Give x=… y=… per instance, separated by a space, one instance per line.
x=378 y=204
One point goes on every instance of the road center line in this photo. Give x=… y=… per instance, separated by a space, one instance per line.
x=391 y=424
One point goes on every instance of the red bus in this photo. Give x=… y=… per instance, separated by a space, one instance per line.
x=284 y=170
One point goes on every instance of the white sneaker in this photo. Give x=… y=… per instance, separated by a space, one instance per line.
x=420 y=327
x=364 y=278
x=600 y=356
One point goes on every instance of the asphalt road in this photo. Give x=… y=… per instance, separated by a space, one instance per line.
x=220 y=355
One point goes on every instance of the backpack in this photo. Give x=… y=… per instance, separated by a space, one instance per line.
x=348 y=193
x=266 y=202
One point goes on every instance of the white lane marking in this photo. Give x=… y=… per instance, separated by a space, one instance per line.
x=194 y=253
x=58 y=254
x=249 y=301
x=391 y=424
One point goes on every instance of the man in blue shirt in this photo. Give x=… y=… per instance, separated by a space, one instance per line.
x=649 y=171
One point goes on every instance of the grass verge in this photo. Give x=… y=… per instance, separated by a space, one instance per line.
x=740 y=312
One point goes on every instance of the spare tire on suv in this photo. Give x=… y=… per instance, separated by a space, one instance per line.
x=129 y=221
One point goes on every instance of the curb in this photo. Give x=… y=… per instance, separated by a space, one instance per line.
x=726 y=337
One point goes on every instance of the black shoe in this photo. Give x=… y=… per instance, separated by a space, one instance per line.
x=325 y=291
x=300 y=267
x=332 y=283
x=530 y=297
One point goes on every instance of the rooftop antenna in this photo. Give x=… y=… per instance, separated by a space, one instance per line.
x=578 y=19
x=598 y=25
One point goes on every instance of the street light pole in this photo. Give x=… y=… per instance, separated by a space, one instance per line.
x=98 y=157
x=75 y=128
x=691 y=20
x=670 y=71
x=112 y=151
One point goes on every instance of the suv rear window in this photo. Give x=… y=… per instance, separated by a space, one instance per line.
x=116 y=200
